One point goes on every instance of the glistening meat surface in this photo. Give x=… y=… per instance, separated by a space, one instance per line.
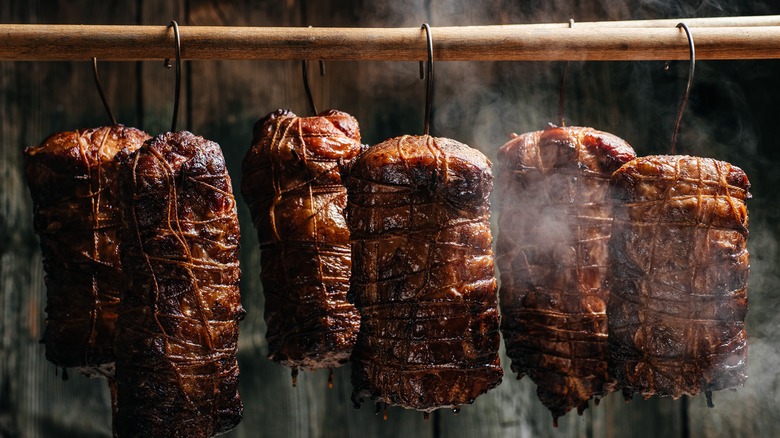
x=679 y=276
x=554 y=228
x=292 y=184
x=177 y=331
x=422 y=275
x=72 y=179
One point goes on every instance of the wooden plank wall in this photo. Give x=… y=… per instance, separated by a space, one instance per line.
x=731 y=116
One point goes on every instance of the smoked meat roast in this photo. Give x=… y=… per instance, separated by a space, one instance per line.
x=554 y=227
x=72 y=179
x=177 y=330
x=679 y=276
x=292 y=184
x=422 y=274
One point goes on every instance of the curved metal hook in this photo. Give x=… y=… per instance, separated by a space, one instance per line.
x=167 y=64
x=563 y=85
x=305 y=72
x=684 y=100
x=429 y=84
x=100 y=90
x=309 y=97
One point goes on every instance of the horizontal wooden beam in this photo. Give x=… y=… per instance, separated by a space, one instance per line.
x=747 y=21
x=620 y=41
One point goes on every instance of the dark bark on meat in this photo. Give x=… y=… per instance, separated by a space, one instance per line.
x=292 y=184
x=423 y=277
x=552 y=248
x=72 y=180
x=679 y=276
x=177 y=331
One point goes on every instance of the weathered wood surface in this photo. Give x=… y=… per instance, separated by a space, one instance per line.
x=731 y=116
x=462 y=43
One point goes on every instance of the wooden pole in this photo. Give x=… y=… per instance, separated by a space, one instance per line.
x=749 y=21
x=468 y=43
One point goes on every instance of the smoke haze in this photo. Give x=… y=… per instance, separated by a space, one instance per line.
x=729 y=116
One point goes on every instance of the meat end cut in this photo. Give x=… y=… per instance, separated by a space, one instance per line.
x=422 y=275
x=72 y=180
x=552 y=246
x=177 y=330
x=679 y=276
x=292 y=184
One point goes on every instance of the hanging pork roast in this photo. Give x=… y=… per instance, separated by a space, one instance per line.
x=292 y=184
x=422 y=274
x=679 y=276
x=177 y=331
x=554 y=227
x=72 y=179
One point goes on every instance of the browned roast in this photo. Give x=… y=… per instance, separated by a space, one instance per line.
x=177 y=330
x=422 y=274
x=293 y=187
x=679 y=276
x=552 y=248
x=72 y=180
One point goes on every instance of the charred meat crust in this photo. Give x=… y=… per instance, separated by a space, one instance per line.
x=72 y=180
x=679 y=276
x=177 y=330
x=554 y=227
x=292 y=184
x=423 y=276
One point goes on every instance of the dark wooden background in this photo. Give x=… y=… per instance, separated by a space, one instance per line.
x=732 y=115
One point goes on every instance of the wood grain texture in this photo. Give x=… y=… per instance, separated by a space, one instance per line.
x=467 y=43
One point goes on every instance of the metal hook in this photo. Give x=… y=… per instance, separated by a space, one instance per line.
x=563 y=86
x=305 y=71
x=429 y=84
x=167 y=64
x=684 y=100
x=100 y=90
